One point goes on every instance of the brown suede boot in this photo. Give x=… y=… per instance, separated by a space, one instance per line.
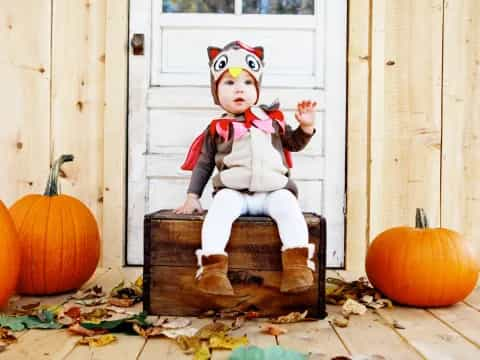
x=296 y=276
x=213 y=277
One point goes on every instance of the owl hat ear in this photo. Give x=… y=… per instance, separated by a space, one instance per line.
x=259 y=51
x=235 y=54
x=213 y=52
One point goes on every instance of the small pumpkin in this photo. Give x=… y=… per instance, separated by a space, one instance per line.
x=422 y=266
x=59 y=239
x=9 y=256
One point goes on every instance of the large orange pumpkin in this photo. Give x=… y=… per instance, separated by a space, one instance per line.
x=59 y=239
x=422 y=266
x=9 y=256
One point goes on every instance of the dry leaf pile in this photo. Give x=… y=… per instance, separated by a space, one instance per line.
x=338 y=291
x=355 y=297
x=95 y=316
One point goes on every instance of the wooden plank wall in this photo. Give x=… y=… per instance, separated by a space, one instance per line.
x=405 y=136
x=25 y=74
x=413 y=116
x=460 y=184
x=423 y=118
x=52 y=97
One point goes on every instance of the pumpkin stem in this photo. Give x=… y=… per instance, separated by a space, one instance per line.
x=53 y=188
x=421 y=221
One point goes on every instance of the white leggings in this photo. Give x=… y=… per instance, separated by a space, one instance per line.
x=229 y=204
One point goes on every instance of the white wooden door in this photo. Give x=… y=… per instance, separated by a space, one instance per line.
x=170 y=101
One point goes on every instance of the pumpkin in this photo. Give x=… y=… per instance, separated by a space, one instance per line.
x=9 y=256
x=422 y=266
x=59 y=239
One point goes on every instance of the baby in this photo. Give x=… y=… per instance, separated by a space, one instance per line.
x=250 y=146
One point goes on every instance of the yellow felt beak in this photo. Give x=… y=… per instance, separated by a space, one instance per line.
x=235 y=71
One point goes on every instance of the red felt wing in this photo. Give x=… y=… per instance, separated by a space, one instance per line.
x=194 y=152
x=288 y=158
x=278 y=116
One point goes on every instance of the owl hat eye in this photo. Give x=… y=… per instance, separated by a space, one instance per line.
x=252 y=63
x=220 y=63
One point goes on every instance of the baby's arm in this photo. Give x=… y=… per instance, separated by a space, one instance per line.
x=296 y=140
x=200 y=175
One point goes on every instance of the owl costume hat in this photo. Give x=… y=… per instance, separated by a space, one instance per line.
x=235 y=57
x=251 y=152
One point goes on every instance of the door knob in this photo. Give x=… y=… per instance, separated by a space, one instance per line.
x=137 y=44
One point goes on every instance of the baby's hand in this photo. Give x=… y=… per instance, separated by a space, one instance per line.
x=191 y=204
x=305 y=115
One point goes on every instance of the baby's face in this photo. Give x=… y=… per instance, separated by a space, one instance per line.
x=237 y=94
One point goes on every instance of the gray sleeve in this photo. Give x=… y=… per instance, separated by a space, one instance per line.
x=295 y=140
x=204 y=167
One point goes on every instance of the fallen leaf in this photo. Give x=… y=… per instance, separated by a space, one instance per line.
x=121 y=302
x=121 y=310
x=31 y=306
x=227 y=342
x=202 y=353
x=174 y=333
x=188 y=344
x=96 y=315
x=340 y=321
x=73 y=312
x=132 y=291
x=114 y=316
x=272 y=352
x=252 y=315
x=274 y=330
x=176 y=323
x=122 y=325
x=80 y=330
x=353 y=307
x=91 y=302
x=19 y=323
x=290 y=318
x=155 y=331
x=98 y=341
x=159 y=331
x=209 y=330
x=140 y=331
x=7 y=337
x=90 y=293
x=139 y=282
x=367 y=299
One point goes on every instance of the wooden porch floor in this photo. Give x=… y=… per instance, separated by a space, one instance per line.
x=448 y=333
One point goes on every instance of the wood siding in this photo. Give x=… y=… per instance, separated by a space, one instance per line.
x=413 y=111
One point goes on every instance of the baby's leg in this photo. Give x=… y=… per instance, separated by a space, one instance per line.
x=284 y=208
x=297 y=253
x=211 y=276
x=227 y=206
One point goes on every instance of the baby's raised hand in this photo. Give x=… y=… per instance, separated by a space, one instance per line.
x=305 y=115
x=191 y=204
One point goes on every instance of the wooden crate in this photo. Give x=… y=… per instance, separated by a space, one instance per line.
x=255 y=267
